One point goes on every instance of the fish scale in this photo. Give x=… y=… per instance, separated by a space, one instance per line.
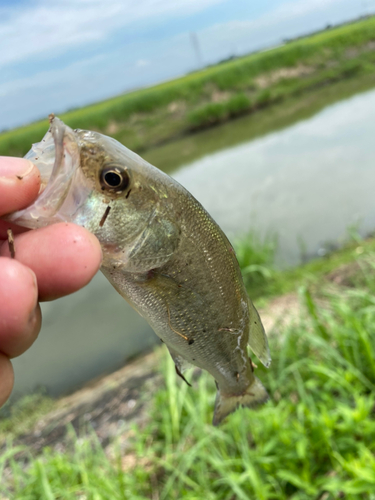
x=162 y=252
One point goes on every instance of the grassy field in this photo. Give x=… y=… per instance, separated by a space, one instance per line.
x=151 y=116
x=314 y=439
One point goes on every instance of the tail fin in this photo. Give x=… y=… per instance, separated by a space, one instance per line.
x=255 y=395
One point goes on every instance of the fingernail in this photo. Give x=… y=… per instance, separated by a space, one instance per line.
x=33 y=312
x=95 y=242
x=15 y=167
x=34 y=317
x=33 y=275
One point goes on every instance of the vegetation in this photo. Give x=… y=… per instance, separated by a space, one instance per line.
x=263 y=280
x=147 y=117
x=314 y=439
x=215 y=112
x=256 y=257
x=21 y=416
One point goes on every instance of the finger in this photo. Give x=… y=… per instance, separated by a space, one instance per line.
x=19 y=184
x=64 y=258
x=6 y=378
x=20 y=317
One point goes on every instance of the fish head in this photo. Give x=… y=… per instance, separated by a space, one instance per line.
x=94 y=181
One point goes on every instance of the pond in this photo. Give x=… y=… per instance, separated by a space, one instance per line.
x=306 y=183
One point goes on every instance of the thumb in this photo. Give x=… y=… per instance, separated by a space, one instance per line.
x=19 y=184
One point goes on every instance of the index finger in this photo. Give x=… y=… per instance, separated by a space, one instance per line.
x=19 y=184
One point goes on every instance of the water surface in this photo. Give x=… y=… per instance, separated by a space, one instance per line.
x=307 y=183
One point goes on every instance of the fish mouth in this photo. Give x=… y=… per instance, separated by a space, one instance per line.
x=62 y=190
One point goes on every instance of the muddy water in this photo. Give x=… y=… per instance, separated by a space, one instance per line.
x=306 y=183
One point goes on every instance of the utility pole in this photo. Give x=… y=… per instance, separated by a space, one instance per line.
x=196 y=48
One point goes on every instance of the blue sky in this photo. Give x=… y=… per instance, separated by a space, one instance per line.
x=59 y=55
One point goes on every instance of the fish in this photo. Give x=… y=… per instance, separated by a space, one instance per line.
x=162 y=252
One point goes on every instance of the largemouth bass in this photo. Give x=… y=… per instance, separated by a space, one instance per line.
x=161 y=251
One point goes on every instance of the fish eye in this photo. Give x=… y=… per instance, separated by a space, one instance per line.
x=114 y=179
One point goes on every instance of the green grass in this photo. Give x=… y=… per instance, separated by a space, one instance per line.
x=21 y=415
x=256 y=258
x=314 y=439
x=215 y=112
x=147 y=117
x=264 y=281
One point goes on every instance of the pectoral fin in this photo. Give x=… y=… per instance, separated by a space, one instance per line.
x=257 y=337
x=154 y=246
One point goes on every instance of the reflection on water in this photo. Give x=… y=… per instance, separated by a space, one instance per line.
x=173 y=155
x=308 y=183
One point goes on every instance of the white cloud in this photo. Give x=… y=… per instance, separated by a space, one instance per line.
x=142 y=63
x=51 y=27
x=289 y=19
x=288 y=11
x=52 y=77
x=80 y=77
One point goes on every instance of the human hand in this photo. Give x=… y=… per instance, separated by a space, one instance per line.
x=49 y=263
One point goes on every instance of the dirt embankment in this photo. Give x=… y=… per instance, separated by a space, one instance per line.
x=108 y=405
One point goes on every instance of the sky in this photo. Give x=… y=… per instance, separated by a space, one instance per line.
x=56 y=56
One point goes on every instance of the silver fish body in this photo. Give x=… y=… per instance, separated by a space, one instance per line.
x=161 y=251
